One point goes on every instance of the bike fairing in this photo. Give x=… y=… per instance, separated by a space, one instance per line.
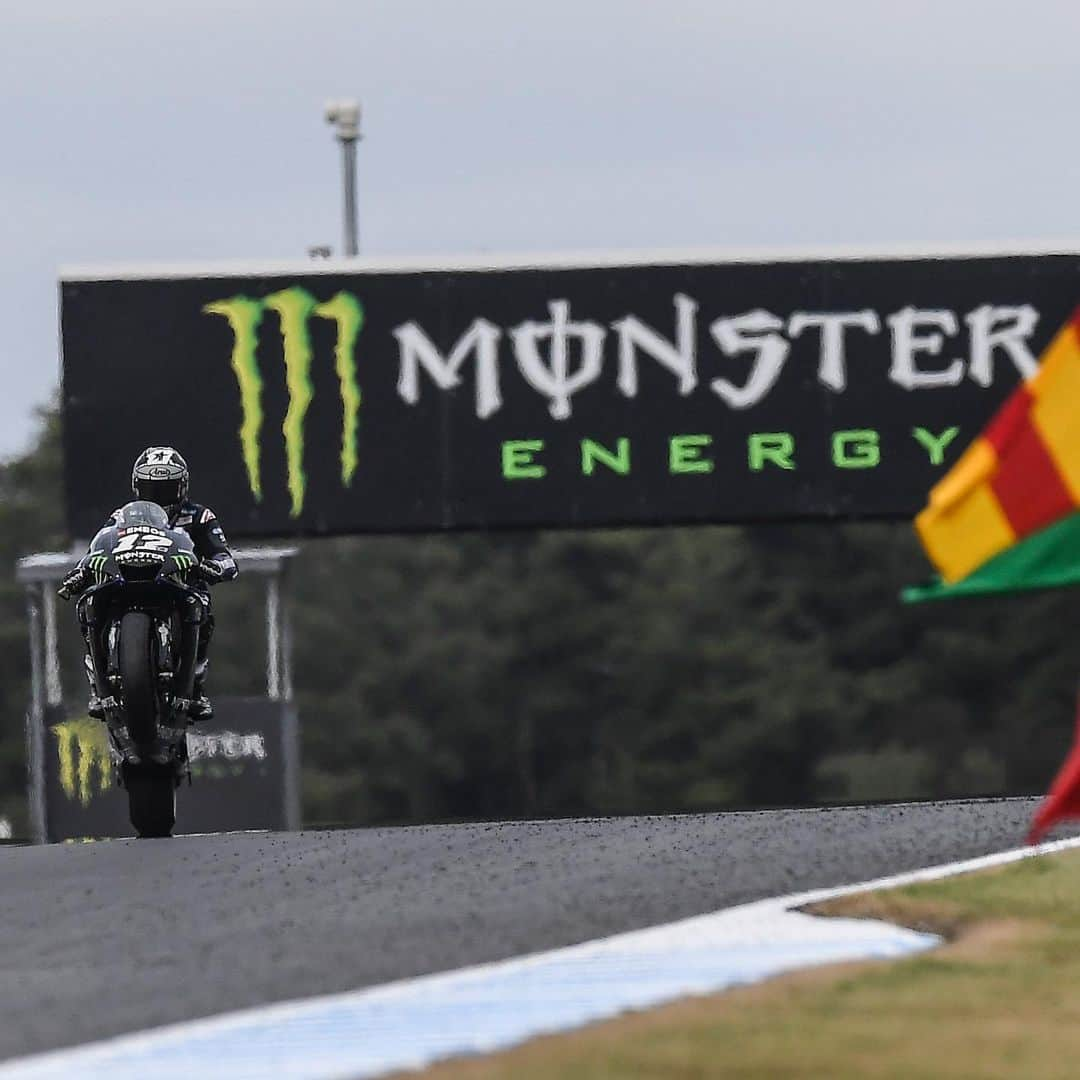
x=216 y=563
x=138 y=549
x=203 y=527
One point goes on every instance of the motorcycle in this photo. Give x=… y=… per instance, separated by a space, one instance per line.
x=141 y=621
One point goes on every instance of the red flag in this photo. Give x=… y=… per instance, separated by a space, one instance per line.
x=1063 y=799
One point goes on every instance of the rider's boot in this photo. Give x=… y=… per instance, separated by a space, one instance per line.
x=94 y=707
x=201 y=707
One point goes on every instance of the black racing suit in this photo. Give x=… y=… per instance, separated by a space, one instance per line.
x=202 y=525
x=208 y=539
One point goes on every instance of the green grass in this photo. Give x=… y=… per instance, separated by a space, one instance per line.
x=1001 y=1000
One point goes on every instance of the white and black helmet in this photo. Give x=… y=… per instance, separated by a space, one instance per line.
x=160 y=475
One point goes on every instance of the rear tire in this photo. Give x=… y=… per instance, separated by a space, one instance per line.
x=137 y=676
x=151 y=799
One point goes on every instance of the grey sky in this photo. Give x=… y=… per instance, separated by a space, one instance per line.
x=193 y=131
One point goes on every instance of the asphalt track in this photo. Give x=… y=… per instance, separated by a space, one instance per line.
x=103 y=938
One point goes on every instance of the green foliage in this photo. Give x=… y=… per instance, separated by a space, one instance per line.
x=512 y=675
x=30 y=520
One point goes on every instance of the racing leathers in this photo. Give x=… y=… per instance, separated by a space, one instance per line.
x=208 y=538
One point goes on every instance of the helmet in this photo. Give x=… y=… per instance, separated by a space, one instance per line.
x=160 y=475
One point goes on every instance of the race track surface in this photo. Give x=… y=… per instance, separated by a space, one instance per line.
x=104 y=938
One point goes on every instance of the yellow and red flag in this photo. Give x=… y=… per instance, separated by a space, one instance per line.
x=1062 y=801
x=1007 y=515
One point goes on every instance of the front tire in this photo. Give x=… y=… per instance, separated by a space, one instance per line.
x=137 y=676
x=151 y=799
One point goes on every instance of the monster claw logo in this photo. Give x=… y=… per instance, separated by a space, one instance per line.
x=82 y=748
x=294 y=308
x=96 y=565
x=184 y=561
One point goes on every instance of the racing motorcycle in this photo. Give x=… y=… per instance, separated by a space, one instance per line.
x=141 y=618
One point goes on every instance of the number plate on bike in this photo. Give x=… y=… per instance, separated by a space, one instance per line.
x=142 y=546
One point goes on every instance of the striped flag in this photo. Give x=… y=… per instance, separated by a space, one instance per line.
x=1062 y=801
x=1007 y=515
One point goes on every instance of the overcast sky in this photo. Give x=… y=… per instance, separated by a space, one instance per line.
x=193 y=131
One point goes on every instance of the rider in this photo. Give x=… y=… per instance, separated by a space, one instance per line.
x=160 y=475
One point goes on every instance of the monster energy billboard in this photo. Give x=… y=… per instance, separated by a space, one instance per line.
x=358 y=397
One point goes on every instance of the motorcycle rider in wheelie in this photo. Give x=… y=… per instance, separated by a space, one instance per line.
x=160 y=475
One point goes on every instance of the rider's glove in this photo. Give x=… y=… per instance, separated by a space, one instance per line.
x=211 y=571
x=74 y=583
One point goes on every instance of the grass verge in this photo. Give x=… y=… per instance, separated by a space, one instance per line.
x=1002 y=999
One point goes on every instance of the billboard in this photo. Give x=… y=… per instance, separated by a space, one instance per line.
x=353 y=397
x=242 y=770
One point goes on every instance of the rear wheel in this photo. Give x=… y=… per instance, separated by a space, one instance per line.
x=151 y=788
x=151 y=799
x=137 y=676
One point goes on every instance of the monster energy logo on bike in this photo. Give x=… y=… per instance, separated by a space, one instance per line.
x=294 y=307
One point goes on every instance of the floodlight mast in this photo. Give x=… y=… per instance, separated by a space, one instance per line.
x=345 y=116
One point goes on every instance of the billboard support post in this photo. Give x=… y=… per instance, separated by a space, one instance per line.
x=286 y=639
x=53 y=692
x=273 y=639
x=35 y=717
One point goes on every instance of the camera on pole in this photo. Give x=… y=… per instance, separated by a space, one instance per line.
x=345 y=116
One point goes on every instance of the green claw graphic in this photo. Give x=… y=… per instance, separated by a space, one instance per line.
x=244 y=316
x=348 y=313
x=294 y=307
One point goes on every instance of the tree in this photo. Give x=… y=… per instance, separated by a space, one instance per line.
x=31 y=512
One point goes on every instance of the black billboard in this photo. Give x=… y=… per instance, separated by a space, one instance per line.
x=360 y=398
x=242 y=766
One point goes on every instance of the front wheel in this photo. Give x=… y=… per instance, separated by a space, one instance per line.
x=137 y=675
x=151 y=799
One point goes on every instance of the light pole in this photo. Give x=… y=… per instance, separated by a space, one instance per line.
x=345 y=116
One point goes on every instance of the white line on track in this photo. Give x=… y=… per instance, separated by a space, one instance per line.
x=415 y=1022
